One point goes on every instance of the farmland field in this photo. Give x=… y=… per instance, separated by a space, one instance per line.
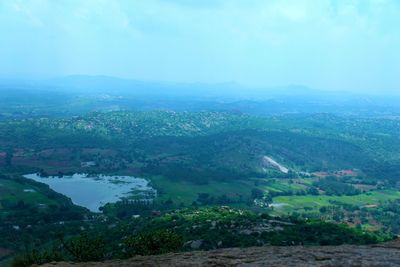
x=298 y=203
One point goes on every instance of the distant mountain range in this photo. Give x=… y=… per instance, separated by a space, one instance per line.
x=108 y=93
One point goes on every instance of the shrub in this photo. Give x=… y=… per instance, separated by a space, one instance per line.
x=152 y=243
x=37 y=257
x=86 y=248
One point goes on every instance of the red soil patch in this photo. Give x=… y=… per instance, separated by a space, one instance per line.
x=364 y=187
x=100 y=151
x=4 y=252
x=18 y=152
x=341 y=173
x=55 y=152
x=346 y=173
x=371 y=206
x=41 y=163
x=321 y=174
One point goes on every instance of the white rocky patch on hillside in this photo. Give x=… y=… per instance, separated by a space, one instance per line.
x=271 y=163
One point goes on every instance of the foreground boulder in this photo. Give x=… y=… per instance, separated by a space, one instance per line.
x=387 y=254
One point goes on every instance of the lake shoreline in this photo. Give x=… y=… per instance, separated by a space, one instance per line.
x=95 y=191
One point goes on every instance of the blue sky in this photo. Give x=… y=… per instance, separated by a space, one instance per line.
x=351 y=45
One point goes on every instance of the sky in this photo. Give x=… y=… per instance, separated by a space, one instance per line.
x=347 y=45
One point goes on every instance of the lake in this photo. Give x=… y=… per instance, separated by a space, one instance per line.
x=94 y=191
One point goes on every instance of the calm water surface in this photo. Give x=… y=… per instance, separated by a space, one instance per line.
x=94 y=191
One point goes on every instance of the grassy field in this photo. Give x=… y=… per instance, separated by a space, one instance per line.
x=187 y=192
x=298 y=203
x=14 y=191
x=280 y=185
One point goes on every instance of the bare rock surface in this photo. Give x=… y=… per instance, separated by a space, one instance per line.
x=386 y=254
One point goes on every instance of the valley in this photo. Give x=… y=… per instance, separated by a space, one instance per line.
x=199 y=133
x=301 y=168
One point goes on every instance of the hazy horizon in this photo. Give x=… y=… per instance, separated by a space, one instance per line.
x=329 y=45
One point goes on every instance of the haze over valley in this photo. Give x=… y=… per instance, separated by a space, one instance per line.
x=210 y=132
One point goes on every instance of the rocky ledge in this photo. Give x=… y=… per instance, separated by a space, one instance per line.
x=387 y=254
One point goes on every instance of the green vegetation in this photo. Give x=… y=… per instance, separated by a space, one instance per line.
x=333 y=186
x=31 y=213
x=186 y=192
x=37 y=257
x=340 y=170
x=205 y=145
x=85 y=247
x=188 y=229
x=370 y=198
x=153 y=243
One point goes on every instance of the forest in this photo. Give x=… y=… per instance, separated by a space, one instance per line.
x=342 y=181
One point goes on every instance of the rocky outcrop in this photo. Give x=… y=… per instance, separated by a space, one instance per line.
x=387 y=254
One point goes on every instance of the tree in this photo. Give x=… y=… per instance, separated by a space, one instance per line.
x=37 y=257
x=257 y=193
x=85 y=247
x=9 y=156
x=152 y=243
